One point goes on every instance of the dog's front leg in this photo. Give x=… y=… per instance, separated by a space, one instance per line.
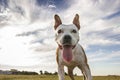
x=70 y=73
x=61 y=72
x=86 y=71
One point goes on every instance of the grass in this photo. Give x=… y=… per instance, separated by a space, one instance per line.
x=52 y=77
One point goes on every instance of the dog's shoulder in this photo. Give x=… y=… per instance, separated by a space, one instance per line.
x=81 y=49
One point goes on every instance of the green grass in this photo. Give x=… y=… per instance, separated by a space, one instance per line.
x=52 y=77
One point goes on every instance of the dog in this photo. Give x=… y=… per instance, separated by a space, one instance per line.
x=69 y=53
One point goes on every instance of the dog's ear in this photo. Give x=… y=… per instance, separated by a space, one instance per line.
x=76 y=21
x=57 y=21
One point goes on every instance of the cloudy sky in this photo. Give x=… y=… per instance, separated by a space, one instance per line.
x=27 y=33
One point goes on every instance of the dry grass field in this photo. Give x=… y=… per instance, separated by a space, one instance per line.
x=52 y=77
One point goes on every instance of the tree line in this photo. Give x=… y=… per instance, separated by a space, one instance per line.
x=49 y=73
x=17 y=72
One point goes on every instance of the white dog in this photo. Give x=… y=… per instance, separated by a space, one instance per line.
x=70 y=53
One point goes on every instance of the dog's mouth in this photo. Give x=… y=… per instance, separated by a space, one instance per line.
x=67 y=52
x=66 y=45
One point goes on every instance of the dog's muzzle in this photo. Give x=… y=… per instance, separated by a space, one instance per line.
x=67 y=42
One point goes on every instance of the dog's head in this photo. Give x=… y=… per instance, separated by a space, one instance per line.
x=67 y=35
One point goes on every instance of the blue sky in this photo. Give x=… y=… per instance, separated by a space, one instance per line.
x=27 y=33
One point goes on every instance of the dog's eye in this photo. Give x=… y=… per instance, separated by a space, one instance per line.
x=74 y=31
x=60 y=31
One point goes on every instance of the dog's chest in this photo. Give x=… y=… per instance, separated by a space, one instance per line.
x=74 y=62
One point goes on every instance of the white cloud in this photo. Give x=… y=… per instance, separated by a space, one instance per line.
x=25 y=17
x=52 y=6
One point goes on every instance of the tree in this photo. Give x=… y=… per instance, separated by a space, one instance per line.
x=41 y=72
x=66 y=73
x=55 y=73
x=47 y=73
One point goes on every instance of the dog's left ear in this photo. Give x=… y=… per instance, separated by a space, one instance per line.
x=57 y=21
x=76 y=21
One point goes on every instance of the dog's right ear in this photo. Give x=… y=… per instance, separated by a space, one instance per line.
x=57 y=21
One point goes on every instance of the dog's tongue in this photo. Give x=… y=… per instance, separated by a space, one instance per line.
x=67 y=53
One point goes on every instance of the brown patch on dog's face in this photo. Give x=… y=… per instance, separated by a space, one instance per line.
x=57 y=21
x=76 y=21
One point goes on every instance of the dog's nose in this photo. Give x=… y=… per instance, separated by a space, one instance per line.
x=67 y=39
